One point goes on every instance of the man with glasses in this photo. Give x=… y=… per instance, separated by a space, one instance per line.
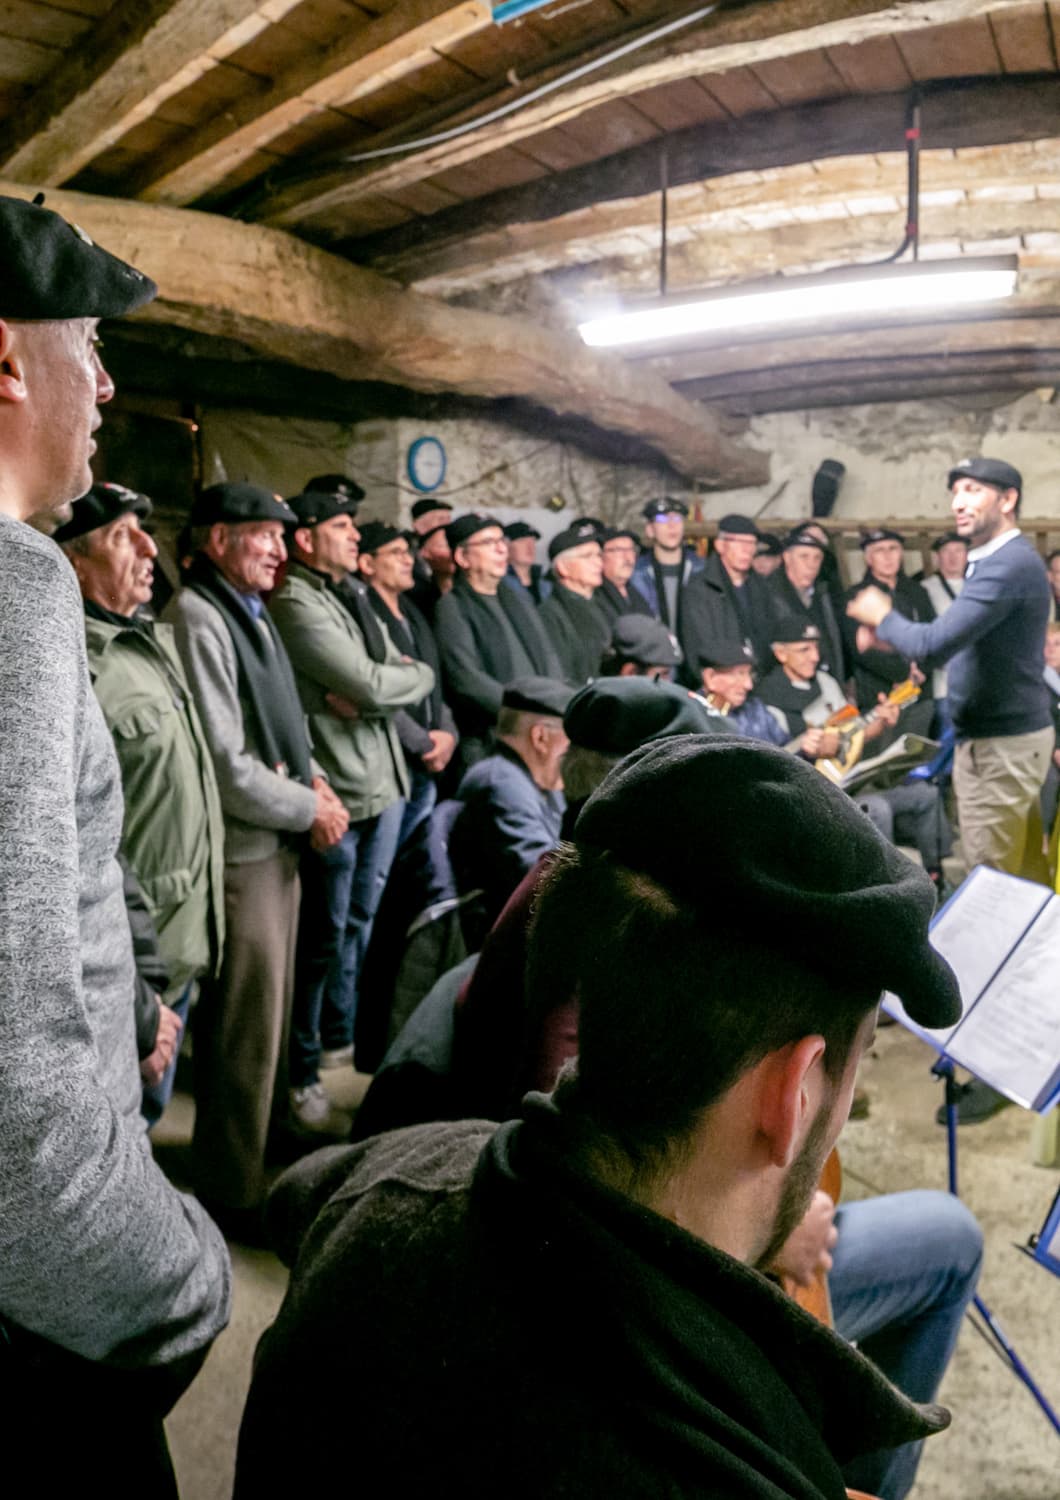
x=664 y=569
x=487 y=635
x=618 y=594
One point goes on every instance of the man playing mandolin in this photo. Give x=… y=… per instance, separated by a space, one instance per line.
x=805 y=701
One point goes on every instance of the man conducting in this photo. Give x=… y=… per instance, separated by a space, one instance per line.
x=112 y=1284
x=572 y=1303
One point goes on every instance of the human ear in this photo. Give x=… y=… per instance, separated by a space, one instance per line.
x=12 y=373
x=791 y=1091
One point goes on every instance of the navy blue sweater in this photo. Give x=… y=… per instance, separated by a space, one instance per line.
x=993 y=636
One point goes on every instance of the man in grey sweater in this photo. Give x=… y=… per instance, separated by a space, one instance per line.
x=112 y=1284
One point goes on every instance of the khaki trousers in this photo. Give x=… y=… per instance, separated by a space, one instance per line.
x=997 y=782
x=241 y=1028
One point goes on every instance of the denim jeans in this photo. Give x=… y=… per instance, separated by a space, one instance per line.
x=341 y=891
x=154 y=1099
x=904 y=1270
x=423 y=794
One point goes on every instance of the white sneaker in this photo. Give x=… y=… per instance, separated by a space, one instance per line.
x=312 y=1110
x=337 y=1057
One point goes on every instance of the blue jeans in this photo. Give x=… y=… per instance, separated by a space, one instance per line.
x=905 y=1269
x=154 y=1100
x=341 y=891
x=423 y=794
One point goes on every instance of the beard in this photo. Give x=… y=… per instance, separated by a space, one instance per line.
x=799 y=1186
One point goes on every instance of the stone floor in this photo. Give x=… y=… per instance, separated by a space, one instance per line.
x=1000 y=1446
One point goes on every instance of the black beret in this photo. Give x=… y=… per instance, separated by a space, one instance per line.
x=800 y=537
x=102 y=504
x=616 y=714
x=949 y=536
x=768 y=545
x=239 y=502
x=612 y=534
x=667 y=506
x=880 y=534
x=537 y=695
x=990 y=470
x=734 y=525
x=312 y=507
x=518 y=530
x=721 y=653
x=793 y=863
x=644 y=640
x=424 y=507
x=791 y=629
x=574 y=536
x=465 y=527
x=50 y=269
x=339 y=485
x=419 y=537
x=376 y=534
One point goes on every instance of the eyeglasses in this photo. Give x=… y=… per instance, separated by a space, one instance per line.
x=490 y=541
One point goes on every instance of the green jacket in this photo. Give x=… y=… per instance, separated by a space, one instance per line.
x=362 y=757
x=173 y=833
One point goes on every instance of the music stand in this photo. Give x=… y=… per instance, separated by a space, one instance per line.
x=943 y=1068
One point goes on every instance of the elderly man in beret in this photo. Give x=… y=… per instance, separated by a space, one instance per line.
x=878 y=668
x=640 y=646
x=666 y=565
x=173 y=835
x=524 y=571
x=112 y=1284
x=798 y=590
x=613 y=1239
x=274 y=800
x=578 y=632
x=618 y=595
x=352 y=681
x=488 y=635
x=727 y=600
x=512 y=800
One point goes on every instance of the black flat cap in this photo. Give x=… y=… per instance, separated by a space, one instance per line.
x=422 y=536
x=793 y=863
x=880 y=534
x=376 y=534
x=612 y=534
x=734 y=525
x=50 y=269
x=424 y=507
x=574 y=536
x=102 y=504
x=239 y=502
x=768 y=545
x=726 y=653
x=667 y=506
x=312 y=507
x=518 y=530
x=790 y=629
x=616 y=714
x=800 y=537
x=537 y=695
x=339 y=485
x=644 y=640
x=947 y=537
x=990 y=470
x=460 y=531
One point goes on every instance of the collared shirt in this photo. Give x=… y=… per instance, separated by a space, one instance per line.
x=254 y=604
x=978 y=554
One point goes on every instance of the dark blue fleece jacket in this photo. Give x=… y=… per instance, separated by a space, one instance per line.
x=993 y=636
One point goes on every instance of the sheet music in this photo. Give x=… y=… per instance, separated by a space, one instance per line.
x=1015 y=1044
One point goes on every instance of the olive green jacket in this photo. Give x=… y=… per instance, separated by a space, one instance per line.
x=361 y=757
x=173 y=832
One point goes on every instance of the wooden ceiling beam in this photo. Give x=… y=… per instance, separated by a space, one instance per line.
x=142 y=53
x=370 y=57
x=290 y=301
x=987 y=385
x=749 y=35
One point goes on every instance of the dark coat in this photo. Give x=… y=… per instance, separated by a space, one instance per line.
x=414 y=637
x=612 y=604
x=646 y=580
x=578 y=634
x=523 y=1332
x=877 y=671
x=784 y=601
x=709 y=612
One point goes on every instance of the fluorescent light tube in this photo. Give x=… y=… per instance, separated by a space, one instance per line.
x=850 y=293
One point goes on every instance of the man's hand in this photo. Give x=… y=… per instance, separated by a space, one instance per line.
x=916 y=675
x=341 y=707
x=153 y=1067
x=886 y=717
x=332 y=819
x=438 y=757
x=871 y=607
x=819 y=744
x=808 y=1249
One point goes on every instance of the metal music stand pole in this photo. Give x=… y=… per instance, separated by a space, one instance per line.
x=943 y=1069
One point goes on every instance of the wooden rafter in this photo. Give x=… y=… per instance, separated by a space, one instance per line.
x=751 y=35
x=143 y=52
x=293 y=302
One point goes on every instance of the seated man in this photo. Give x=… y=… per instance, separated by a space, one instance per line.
x=802 y=699
x=727 y=675
x=640 y=647
x=578 y=1296
x=512 y=801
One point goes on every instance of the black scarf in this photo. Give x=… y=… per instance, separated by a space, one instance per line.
x=579 y=633
x=413 y=637
x=492 y=647
x=353 y=595
x=612 y=603
x=265 y=675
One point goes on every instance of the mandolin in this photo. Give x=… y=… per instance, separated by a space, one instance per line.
x=851 y=725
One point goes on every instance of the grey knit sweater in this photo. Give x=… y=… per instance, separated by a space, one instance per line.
x=97 y=1252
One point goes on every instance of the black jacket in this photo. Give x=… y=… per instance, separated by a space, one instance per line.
x=523 y=1332
x=612 y=604
x=784 y=601
x=578 y=634
x=710 y=612
x=877 y=671
x=414 y=637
